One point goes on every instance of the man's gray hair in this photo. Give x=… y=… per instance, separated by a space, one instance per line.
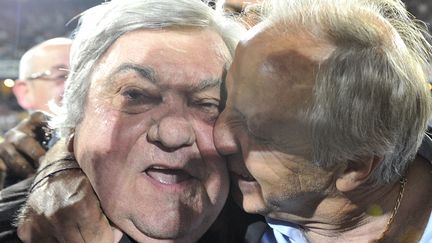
x=370 y=96
x=102 y=25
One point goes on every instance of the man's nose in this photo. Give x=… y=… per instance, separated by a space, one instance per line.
x=224 y=138
x=172 y=132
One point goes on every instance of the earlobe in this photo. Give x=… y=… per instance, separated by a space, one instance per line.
x=21 y=91
x=356 y=173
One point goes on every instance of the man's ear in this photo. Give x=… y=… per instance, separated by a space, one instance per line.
x=22 y=93
x=356 y=173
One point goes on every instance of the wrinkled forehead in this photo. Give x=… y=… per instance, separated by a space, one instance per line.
x=172 y=56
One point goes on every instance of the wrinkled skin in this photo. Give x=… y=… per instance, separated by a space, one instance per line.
x=153 y=165
x=21 y=150
x=180 y=133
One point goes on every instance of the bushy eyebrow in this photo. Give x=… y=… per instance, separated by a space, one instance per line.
x=205 y=84
x=144 y=71
x=149 y=74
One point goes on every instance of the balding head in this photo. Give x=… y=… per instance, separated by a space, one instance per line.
x=34 y=56
x=41 y=74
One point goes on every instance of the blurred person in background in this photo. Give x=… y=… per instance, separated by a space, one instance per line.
x=42 y=72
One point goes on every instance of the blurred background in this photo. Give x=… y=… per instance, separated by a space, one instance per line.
x=24 y=23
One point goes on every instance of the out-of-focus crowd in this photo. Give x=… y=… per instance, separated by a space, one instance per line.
x=26 y=23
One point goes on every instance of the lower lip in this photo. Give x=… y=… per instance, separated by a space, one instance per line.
x=180 y=187
x=244 y=185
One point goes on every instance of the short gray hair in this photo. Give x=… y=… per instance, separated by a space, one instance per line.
x=102 y=25
x=370 y=96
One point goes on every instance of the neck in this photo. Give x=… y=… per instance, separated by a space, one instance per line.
x=364 y=214
x=360 y=216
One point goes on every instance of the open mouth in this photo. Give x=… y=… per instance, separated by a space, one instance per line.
x=167 y=176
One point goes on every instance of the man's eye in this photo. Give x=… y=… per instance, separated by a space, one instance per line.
x=209 y=106
x=136 y=96
x=136 y=100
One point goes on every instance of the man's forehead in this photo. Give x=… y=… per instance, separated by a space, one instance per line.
x=279 y=58
x=52 y=51
x=180 y=58
x=290 y=66
x=192 y=43
x=274 y=73
x=50 y=57
x=269 y=38
x=57 y=49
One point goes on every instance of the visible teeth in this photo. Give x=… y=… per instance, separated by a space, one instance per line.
x=167 y=176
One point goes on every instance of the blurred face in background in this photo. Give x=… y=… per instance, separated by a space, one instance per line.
x=43 y=79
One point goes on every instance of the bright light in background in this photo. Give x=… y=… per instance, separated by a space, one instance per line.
x=9 y=83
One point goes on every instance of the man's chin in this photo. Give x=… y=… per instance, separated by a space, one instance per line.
x=172 y=231
x=251 y=201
